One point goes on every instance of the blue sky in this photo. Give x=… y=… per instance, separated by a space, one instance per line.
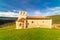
x=33 y=7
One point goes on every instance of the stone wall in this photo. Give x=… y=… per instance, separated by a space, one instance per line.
x=40 y=23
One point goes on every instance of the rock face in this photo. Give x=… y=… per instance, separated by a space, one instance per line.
x=25 y=21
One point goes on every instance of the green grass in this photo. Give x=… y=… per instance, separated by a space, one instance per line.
x=8 y=32
x=29 y=34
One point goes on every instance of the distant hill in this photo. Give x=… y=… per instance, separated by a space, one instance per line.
x=4 y=20
x=55 y=18
x=8 y=18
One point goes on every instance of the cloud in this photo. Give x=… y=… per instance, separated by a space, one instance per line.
x=52 y=11
x=47 y=12
x=8 y=14
x=14 y=10
x=37 y=12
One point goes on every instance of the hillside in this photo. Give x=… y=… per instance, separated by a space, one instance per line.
x=4 y=20
x=8 y=18
x=55 y=18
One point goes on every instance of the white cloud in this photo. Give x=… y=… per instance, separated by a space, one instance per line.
x=52 y=11
x=8 y=14
x=48 y=12
x=14 y=10
x=37 y=12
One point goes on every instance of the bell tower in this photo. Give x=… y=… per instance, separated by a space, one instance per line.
x=22 y=14
x=21 y=21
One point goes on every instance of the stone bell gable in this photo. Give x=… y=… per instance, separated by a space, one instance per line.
x=21 y=20
x=22 y=14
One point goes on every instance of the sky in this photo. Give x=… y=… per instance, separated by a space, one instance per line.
x=10 y=8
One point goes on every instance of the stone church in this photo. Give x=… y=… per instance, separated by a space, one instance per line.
x=24 y=21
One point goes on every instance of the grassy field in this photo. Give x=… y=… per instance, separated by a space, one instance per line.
x=8 y=32
x=29 y=34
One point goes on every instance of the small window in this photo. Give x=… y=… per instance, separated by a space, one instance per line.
x=32 y=22
x=20 y=13
x=24 y=13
